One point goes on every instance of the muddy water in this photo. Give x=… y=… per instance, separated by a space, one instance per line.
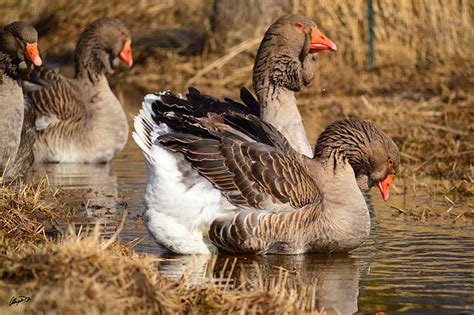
x=405 y=266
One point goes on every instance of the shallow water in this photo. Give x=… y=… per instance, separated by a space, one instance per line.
x=405 y=266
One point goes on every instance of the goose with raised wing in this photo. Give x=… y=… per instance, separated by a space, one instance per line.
x=285 y=63
x=80 y=119
x=18 y=53
x=252 y=192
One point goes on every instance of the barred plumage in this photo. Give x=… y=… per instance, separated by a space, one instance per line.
x=220 y=175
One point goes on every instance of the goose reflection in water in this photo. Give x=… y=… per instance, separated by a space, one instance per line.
x=332 y=281
x=90 y=187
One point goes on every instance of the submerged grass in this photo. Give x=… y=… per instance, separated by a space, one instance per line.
x=82 y=273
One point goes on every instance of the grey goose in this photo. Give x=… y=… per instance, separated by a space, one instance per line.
x=18 y=53
x=251 y=191
x=80 y=119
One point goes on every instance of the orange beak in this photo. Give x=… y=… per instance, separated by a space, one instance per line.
x=384 y=186
x=126 y=53
x=320 y=42
x=33 y=54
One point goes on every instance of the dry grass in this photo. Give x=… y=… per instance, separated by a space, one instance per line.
x=419 y=91
x=27 y=214
x=75 y=275
x=409 y=35
x=433 y=134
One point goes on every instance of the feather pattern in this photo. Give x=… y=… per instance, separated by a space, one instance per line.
x=283 y=66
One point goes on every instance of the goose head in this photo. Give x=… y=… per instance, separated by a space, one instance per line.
x=103 y=45
x=372 y=154
x=287 y=54
x=19 y=40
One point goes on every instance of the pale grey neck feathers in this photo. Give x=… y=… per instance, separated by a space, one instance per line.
x=282 y=112
x=283 y=66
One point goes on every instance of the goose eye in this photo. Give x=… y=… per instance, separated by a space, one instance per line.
x=299 y=25
x=391 y=163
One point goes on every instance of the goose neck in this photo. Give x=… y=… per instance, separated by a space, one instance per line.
x=279 y=109
x=90 y=57
x=344 y=214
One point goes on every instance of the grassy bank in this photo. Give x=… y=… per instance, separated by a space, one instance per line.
x=420 y=91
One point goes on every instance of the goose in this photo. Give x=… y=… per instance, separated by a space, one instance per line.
x=252 y=191
x=285 y=64
x=80 y=119
x=18 y=52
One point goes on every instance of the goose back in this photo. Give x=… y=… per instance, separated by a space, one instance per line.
x=77 y=121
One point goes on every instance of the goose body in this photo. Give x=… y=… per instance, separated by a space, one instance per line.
x=11 y=113
x=92 y=127
x=80 y=119
x=234 y=183
x=180 y=204
x=18 y=52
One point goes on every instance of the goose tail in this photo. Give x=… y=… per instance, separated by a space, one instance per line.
x=146 y=129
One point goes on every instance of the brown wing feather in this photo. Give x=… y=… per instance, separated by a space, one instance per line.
x=249 y=174
x=57 y=95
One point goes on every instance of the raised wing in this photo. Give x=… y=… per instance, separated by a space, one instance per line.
x=252 y=164
x=169 y=106
x=197 y=104
x=248 y=160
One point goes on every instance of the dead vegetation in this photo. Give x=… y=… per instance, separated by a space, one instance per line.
x=434 y=135
x=77 y=275
x=420 y=91
x=410 y=36
x=27 y=214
